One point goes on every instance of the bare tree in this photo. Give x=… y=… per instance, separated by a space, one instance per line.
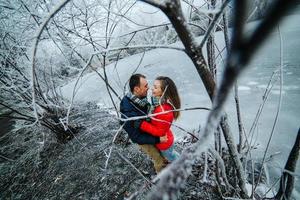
x=39 y=100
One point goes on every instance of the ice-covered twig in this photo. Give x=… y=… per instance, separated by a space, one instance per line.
x=132 y=165
x=204 y=179
x=261 y=107
x=112 y=145
x=278 y=106
x=139 y=47
x=74 y=89
x=110 y=87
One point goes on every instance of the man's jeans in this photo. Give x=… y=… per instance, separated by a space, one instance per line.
x=154 y=154
x=170 y=154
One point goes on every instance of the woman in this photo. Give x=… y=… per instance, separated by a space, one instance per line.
x=164 y=98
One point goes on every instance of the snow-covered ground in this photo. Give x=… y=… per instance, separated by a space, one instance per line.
x=178 y=66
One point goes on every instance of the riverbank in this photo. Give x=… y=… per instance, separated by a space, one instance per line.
x=40 y=168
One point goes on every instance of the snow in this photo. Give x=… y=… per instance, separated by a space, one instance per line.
x=252 y=83
x=262 y=190
x=244 y=88
x=178 y=66
x=277 y=92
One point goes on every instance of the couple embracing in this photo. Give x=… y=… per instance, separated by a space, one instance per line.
x=153 y=134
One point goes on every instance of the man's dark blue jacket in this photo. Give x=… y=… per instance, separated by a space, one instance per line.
x=129 y=109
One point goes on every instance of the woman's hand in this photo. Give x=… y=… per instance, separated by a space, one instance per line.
x=163 y=139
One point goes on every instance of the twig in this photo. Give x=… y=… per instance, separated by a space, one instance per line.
x=239 y=118
x=139 y=47
x=278 y=107
x=140 y=62
x=112 y=145
x=132 y=165
x=6 y=158
x=261 y=107
x=272 y=186
x=73 y=92
x=110 y=87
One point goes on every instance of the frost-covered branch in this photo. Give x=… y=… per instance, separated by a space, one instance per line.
x=107 y=43
x=222 y=166
x=110 y=87
x=261 y=107
x=278 y=106
x=37 y=38
x=239 y=118
x=213 y=23
x=156 y=26
x=152 y=116
x=112 y=145
x=161 y=113
x=206 y=12
x=157 y=3
x=138 y=47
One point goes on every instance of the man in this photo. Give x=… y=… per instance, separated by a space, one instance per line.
x=135 y=104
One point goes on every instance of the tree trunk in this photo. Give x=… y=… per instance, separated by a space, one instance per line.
x=174 y=13
x=210 y=46
x=287 y=179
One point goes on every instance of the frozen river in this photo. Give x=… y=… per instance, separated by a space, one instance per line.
x=252 y=85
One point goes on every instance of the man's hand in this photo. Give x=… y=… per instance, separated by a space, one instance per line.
x=163 y=138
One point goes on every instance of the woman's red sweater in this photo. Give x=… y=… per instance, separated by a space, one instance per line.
x=160 y=125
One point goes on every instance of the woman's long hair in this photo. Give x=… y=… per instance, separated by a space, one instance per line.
x=170 y=93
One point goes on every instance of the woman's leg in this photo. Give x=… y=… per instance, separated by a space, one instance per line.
x=170 y=154
x=154 y=154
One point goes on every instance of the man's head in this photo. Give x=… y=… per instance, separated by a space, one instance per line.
x=138 y=85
